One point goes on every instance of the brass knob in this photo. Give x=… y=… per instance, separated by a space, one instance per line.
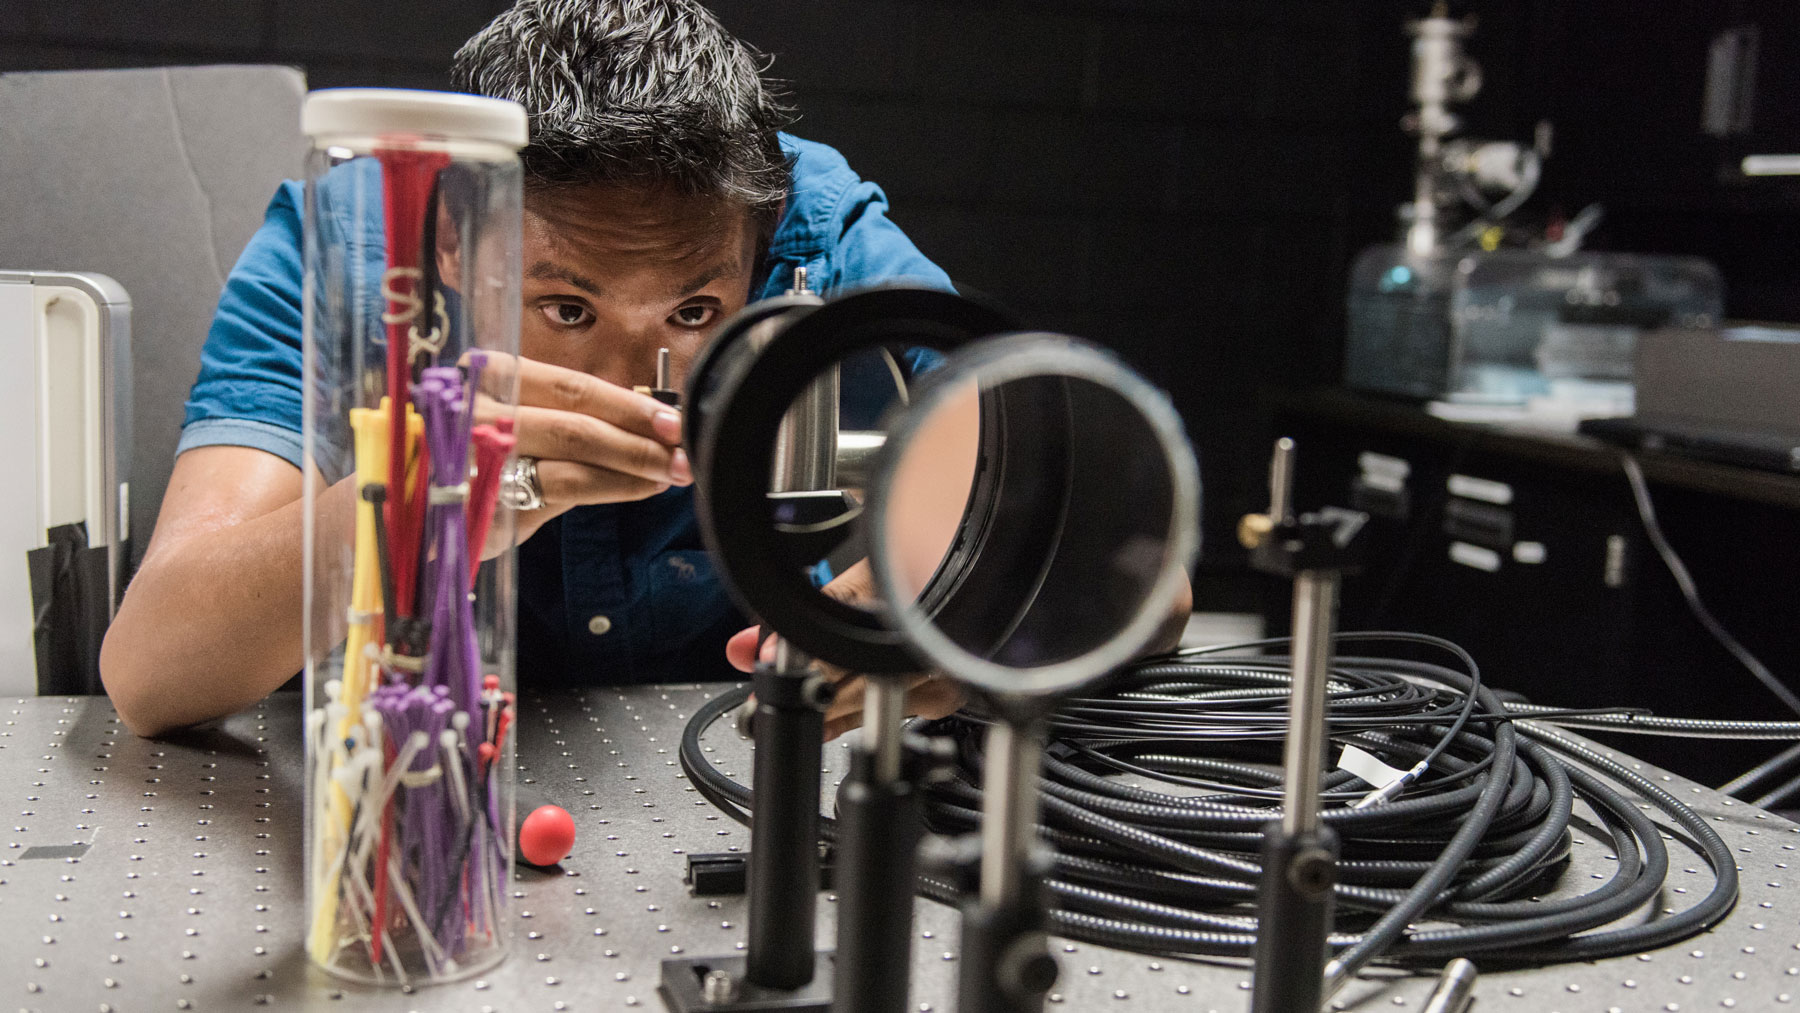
x=1253 y=529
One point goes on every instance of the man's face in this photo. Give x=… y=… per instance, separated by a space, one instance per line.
x=614 y=273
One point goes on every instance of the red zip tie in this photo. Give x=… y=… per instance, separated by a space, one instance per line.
x=493 y=445
x=407 y=177
x=381 y=858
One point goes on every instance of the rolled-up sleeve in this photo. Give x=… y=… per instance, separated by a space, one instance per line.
x=248 y=392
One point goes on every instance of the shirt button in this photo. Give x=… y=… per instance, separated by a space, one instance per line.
x=599 y=625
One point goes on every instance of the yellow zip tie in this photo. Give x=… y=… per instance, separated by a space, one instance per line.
x=369 y=428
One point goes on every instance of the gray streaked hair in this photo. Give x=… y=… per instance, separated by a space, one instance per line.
x=640 y=92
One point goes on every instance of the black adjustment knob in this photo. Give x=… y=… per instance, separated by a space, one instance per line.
x=1027 y=969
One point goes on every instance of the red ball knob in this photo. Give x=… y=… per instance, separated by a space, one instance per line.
x=546 y=835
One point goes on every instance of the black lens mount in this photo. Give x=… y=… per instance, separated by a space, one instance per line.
x=736 y=397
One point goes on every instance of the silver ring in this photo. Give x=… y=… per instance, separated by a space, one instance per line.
x=519 y=485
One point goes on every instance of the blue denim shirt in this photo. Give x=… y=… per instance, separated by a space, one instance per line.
x=607 y=594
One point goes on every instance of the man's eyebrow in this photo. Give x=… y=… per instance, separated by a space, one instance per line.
x=544 y=270
x=722 y=269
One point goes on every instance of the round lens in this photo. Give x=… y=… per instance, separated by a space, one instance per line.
x=1073 y=495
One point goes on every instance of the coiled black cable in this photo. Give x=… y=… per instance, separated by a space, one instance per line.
x=1455 y=865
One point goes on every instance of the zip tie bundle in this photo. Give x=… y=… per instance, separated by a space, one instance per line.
x=409 y=849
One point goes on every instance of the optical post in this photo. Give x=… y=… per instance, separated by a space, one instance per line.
x=877 y=868
x=789 y=726
x=1006 y=961
x=1299 y=853
x=1053 y=411
x=781 y=968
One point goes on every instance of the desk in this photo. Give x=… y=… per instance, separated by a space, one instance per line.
x=171 y=881
x=1551 y=582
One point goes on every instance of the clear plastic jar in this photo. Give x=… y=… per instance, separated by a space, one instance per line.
x=411 y=256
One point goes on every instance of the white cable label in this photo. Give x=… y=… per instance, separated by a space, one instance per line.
x=1379 y=471
x=1368 y=767
x=1484 y=489
x=1478 y=556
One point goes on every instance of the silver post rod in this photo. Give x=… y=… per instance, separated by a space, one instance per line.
x=805 y=455
x=857 y=450
x=884 y=711
x=1281 y=481
x=806 y=449
x=790 y=660
x=1455 y=988
x=1315 y=602
x=806 y=445
x=1009 y=811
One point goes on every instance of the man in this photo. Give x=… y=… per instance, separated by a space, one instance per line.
x=660 y=198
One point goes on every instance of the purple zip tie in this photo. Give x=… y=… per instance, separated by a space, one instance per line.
x=450 y=860
x=454 y=655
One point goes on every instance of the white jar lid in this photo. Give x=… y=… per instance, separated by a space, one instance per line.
x=335 y=112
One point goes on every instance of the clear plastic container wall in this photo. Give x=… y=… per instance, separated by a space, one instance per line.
x=411 y=257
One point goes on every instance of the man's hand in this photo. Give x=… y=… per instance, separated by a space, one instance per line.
x=928 y=696
x=595 y=442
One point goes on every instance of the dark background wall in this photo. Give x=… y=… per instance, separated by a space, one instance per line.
x=1184 y=180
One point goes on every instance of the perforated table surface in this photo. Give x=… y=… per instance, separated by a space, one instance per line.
x=166 y=875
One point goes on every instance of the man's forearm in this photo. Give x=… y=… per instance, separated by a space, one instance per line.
x=212 y=622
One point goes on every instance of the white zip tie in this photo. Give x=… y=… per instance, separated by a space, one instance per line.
x=447 y=740
x=443 y=495
x=421 y=778
x=414 y=742
x=428 y=944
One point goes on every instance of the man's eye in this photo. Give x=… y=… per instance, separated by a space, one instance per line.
x=566 y=314
x=694 y=316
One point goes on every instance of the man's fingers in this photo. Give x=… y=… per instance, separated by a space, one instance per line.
x=488 y=408
x=851 y=689
x=740 y=650
x=847 y=701
x=543 y=385
x=835 y=727
x=551 y=435
x=855 y=586
x=568 y=484
x=925 y=697
x=497 y=376
x=935 y=698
